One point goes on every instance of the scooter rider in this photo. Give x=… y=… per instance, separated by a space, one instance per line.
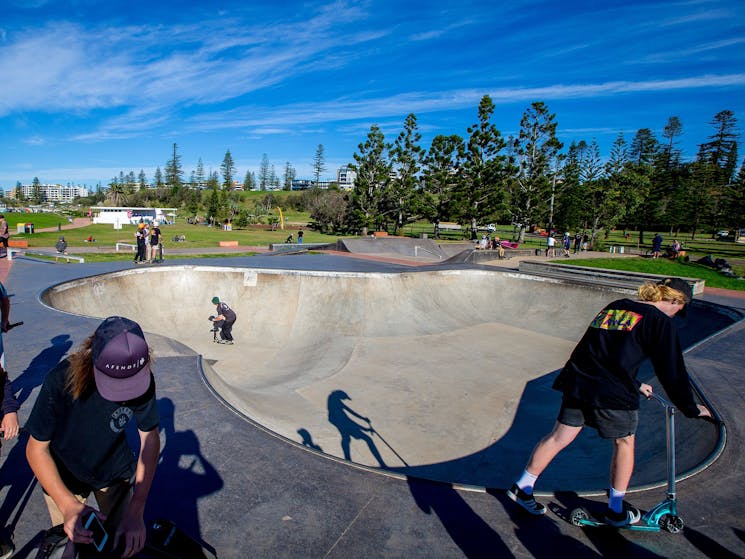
x=601 y=389
x=224 y=320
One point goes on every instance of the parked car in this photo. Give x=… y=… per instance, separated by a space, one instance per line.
x=722 y=233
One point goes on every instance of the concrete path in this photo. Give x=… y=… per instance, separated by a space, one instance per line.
x=251 y=494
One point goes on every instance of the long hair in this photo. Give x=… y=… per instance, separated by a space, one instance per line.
x=80 y=380
x=653 y=292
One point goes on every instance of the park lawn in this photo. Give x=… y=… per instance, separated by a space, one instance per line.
x=664 y=267
x=127 y=256
x=40 y=220
x=197 y=236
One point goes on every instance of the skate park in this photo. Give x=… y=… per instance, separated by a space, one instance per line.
x=451 y=364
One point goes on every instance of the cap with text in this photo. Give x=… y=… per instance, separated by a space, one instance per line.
x=121 y=359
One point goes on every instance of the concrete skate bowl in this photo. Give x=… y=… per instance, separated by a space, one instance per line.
x=453 y=369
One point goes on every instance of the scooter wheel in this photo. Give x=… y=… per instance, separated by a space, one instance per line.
x=578 y=516
x=672 y=524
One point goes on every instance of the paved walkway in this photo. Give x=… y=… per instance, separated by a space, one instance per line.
x=251 y=494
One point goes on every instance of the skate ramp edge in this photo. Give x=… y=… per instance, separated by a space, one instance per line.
x=438 y=374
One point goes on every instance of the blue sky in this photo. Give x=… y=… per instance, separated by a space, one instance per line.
x=93 y=88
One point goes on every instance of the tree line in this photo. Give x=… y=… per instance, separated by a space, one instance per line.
x=527 y=180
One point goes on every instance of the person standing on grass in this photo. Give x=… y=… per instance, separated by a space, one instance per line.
x=4 y=236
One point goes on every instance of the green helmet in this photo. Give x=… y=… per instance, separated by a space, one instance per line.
x=215 y=300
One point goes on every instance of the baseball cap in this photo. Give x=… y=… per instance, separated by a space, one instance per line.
x=679 y=285
x=121 y=359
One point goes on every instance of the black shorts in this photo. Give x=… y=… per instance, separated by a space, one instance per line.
x=610 y=424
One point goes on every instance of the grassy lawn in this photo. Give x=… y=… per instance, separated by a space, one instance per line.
x=127 y=256
x=664 y=267
x=197 y=236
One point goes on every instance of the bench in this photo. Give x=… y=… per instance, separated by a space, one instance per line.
x=228 y=243
x=18 y=243
x=12 y=252
x=130 y=245
x=68 y=257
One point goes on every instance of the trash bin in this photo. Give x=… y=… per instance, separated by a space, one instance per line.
x=28 y=228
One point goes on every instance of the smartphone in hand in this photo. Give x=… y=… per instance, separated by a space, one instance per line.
x=100 y=536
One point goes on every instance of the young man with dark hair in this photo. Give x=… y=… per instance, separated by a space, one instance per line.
x=77 y=443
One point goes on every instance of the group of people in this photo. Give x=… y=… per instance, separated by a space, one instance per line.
x=488 y=243
x=580 y=240
x=673 y=251
x=149 y=243
x=290 y=238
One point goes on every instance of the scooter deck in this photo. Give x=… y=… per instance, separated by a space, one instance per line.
x=582 y=518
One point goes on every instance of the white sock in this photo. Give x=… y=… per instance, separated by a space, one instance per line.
x=526 y=482
x=615 y=500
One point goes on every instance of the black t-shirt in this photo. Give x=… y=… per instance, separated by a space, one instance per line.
x=226 y=311
x=86 y=436
x=602 y=369
x=155 y=236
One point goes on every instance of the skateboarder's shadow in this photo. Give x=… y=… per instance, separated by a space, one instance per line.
x=183 y=471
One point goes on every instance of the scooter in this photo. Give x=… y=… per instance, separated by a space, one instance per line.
x=664 y=515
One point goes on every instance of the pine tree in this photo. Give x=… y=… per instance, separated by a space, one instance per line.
x=174 y=173
x=142 y=180
x=199 y=176
x=228 y=171
x=264 y=173
x=483 y=168
x=441 y=173
x=535 y=150
x=406 y=160
x=373 y=174
x=319 y=165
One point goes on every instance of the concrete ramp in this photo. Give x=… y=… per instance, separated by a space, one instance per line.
x=440 y=374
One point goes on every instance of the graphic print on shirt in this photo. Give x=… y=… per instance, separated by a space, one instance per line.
x=120 y=418
x=616 y=319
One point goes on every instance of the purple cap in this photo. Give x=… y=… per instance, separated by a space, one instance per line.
x=121 y=359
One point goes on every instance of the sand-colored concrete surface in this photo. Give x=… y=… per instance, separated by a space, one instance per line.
x=451 y=367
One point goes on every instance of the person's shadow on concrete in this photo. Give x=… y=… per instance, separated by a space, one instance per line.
x=16 y=474
x=40 y=365
x=183 y=476
x=340 y=415
x=468 y=530
x=307 y=440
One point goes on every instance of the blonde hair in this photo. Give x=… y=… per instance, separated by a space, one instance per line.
x=654 y=292
x=80 y=380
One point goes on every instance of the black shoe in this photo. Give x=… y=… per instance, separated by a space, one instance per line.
x=526 y=501
x=629 y=515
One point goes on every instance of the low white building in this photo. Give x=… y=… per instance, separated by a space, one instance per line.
x=116 y=215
